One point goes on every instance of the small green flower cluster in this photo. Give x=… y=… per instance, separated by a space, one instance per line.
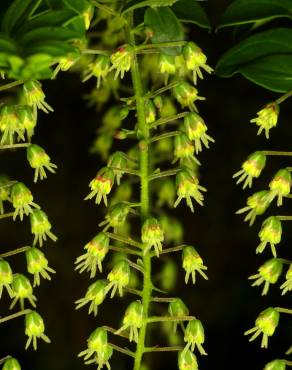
x=271 y=230
x=18 y=121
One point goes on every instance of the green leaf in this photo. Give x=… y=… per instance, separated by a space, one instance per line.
x=79 y=6
x=254 y=11
x=17 y=13
x=274 y=72
x=55 y=49
x=34 y=67
x=190 y=11
x=135 y=4
x=165 y=27
x=275 y=41
x=7 y=45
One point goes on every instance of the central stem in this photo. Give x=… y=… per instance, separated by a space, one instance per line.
x=143 y=135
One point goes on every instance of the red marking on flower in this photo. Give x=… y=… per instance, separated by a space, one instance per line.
x=121 y=49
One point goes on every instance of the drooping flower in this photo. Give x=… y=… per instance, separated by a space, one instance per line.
x=184 y=149
x=271 y=232
x=122 y=60
x=192 y=263
x=99 y=69
x=39 y=160
x=187 y=360
x=268 y=273
x=133 y=320
x=196 y=131
x=95 y=295
x=11 y=364
x=118 y=162
x=119 y=277
x=22 y=200
x=266 y=324
x=276 y=365
x=41 y=227
x=280 y=185
x=116 y=216
x=177 y=308
x=35 y=97
x=101 y=185
x=287 y=285
x=37 y=265
x=257 y=204
x=4 y=191
x=10 y=124
x=186 y=95
x=22 y=290
x=34 y=329
x=28 y=119
x=267 y=118
x=96 y=343
x=152 y=235
x=6 y=277
x=251 y=169
x=195 y=336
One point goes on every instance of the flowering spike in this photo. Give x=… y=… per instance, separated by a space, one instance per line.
x=133 y=320
x=187 y=360
x=196 y=129
x=152 y=236
x=195 y=336
x=195 y=59
x=269 y=273
x=271 y=232
x=192 y=262
x=266 y=324
x=287 y=285
x=34 y=329
x=280 y=185
x=35 y=96
x=257 y=204
x=119 y=277
x=122 y=60
x=22 y=200
x=39 y=160
x=11 y=364
x=95 y=295
x=186 y=95
x=41 y=227
x=37 y=264
x=6 y=277
x=267 y=118
x=22 y=290
x=101 y=185
x=96 y=250
x=188 y=187
x=251 y=169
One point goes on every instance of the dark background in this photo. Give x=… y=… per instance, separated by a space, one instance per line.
x=226 y=304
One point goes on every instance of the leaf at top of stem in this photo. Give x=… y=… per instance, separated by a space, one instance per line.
x=136 y=4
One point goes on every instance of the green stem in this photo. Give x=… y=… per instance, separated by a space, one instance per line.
x=124 y=250
x=15 y=251
x=105 y=8
x=11 y=84
x=284 y=310
x=14 y=146
x=125 y=240
x=14 y=316
x=164 y=136
x=170 y=44
x=284 y=97
x=122 y=350
x=163 y=349
x=162 y=90
x=95 y=52
x=276 y=152
x=284 y=218
x=170 y=318
x=167 y=173
x=162 y=121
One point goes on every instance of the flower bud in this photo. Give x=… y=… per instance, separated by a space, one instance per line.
x=158 y=102
x=177 y=308
x=4 y=191
x=22 y=290
x=39 y=160
x=195 y=59
x=99 y=69
x=188 y=187
x=173 y=230
x=116 y=216
x=41 y=227
x=119 y=277
x=166 y=193
x=276 y=365
x=101 y=185
x=266 y=323
x=168 y=107
x=118 y=162
x=124 y=112
x=257 y=204
x=269 y=273
x=150 y=112
x=166 y=65
x=122 y=60
x=287 y=285
x=34 y=329
x=37 y=264
x=152 y=235
x=192 y=262
x=280 y=185
x=22 y=200
x=196 y=129
x=11 y=364
x=186 y=95
x=133 y=319
x=195 y=336
x=187 y=360
x=28 y=119
x=271 y=232
x=10 y=124
x=35 y=96
x=267 y=118
x=96 y=250
x=251 y=169
x=6 y=277
x=95 y=295
x=96 y=343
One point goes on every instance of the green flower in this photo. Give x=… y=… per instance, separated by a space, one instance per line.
x=184 y=149
x=119 y=277
x=150 y=112
x=152 y=236
x=22 y=290
x=280 y=185
x=177 y=308
x=271 y=232
x=287 y=285
x=187 y=360
x=4 y=191
x=267 y=118
x=6 y=277
x=133 y=320
x=195 y=59
x=266 y=324
x=269 y=273
x=10 y=124
x=39 y=160
x=196 y=131
x=35 y=96
x=37 y=265
x=34 y=329
x=192 y=262
x=257 y=204
x=276 y=365
x=96 y=343
x=118 y=162
x=22 y=200
x=101 y=185
x=99 y=69
x=195 y=336
x=122 y=60
x=95 y=295
x=166 y=193
x=166 y=64
x=28 y=119
x=11 y=364
x=116 y=216
x=41 y=227
x=96 y=250
x=188 y=187
x=251 y=169
x=186 y=95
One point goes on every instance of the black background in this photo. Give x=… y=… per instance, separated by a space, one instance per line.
x=226 y=304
